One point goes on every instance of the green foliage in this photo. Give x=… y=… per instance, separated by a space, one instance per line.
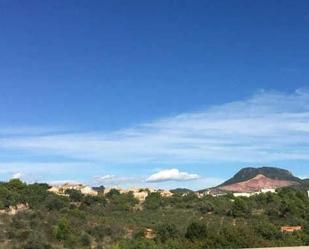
x=85 y=240
x=75 y=195
x=112 y=193
x=154 y=201
x=206 y=207
x=121 y=202
x=240 y=208
x=137 y=244
x=53 y=202
x=36 y=241
x=182 y=221
x=196 y=230
x=62 y=230
x=166 y=232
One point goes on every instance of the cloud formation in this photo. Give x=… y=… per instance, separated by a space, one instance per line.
x=17 y=175
x=171 y=175
x=267 y=127
x=115 y=181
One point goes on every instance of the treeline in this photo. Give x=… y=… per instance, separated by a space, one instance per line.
x=119 y=221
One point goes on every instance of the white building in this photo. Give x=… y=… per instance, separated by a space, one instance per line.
x=268 y=190
x=244 y=194
x=262 y=191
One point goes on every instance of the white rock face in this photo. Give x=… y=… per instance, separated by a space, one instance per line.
x=13 y=210
x=140 y=193
x=60 y=189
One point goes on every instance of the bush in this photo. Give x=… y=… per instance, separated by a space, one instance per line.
x=36 y=241
x=74 y=195
x=166 y=232
x=54 y=202
x=196 y=230
x=153 y=201
x=85 y=240
x=63 y=230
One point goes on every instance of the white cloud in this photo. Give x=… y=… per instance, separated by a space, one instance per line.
x=61 y=182
x=140 y=182
x=117 y=181
x=17 y=175
x=105 y=178
x=29 y=131
x=267 y=127
x=41 y=167
x=171 y=175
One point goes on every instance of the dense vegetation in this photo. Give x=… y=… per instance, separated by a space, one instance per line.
x=118 y=221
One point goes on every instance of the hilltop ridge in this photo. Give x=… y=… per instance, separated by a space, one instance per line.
x=255 y=179
x=269 y=172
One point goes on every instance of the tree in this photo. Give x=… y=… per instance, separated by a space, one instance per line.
x=153 y=201
x=36 y=241
x=74 y=195
x=166 y=232
x=112 y=193
x=240 y=208
x=122 y=202
x=85 y=240
x=54 y=202
x=206 y=207
x=196 y=230
x=62 y=230
x=16 y=184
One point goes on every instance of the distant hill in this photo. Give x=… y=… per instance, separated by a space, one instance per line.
x=270 y=172
x=181 y=191
x=254 y=179
x=305 y=183
x=99 y=188
x=257 y=183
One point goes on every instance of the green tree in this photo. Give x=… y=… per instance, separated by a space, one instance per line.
x=85 y=240
x=240 y=208
x=62 y=230
x=166 y=232
x=153 y=201
x=74 y=195
x=196 y=230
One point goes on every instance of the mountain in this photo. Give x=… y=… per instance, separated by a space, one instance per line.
x=257 y=183
x=270 y=172
x=255 y=179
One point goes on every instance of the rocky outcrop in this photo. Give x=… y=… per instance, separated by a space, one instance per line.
x=60 y=189
x=13 y=210
x=257 y=183
x=141 y=193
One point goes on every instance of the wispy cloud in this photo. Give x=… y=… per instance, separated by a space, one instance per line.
x=41 y=167
x=171 y=175
x=116 y=181
x=17 y=175
x=267 y=127
x=30 y=130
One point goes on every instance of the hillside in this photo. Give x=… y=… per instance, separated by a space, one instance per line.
x=270 y=172
x=33 y=217
x=181 y=191
x=256 y=184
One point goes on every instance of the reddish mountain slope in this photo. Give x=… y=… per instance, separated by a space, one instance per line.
x=257 y=183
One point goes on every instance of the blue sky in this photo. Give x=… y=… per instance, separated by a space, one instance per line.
x=159 y=93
